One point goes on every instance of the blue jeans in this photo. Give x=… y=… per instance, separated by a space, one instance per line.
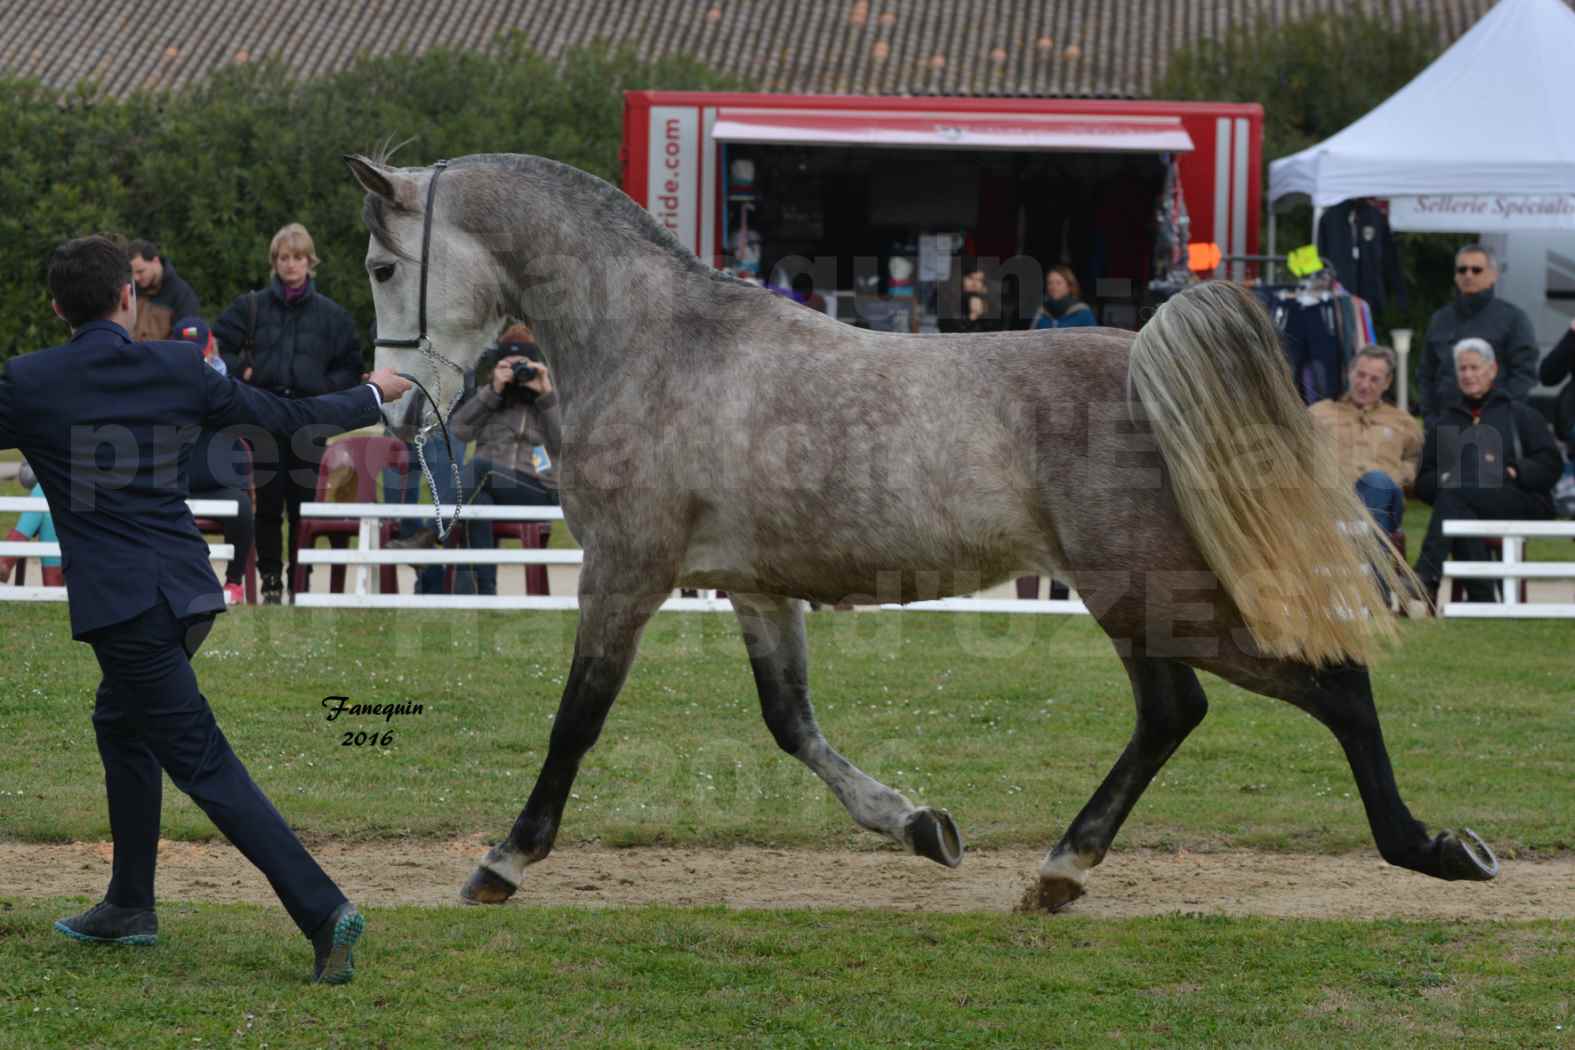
x=498 y=485
x=407 y=489
x=1384 y=499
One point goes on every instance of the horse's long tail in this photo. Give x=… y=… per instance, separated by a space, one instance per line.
x=1257 y=482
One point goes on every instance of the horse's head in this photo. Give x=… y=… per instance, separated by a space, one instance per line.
x=458 y=308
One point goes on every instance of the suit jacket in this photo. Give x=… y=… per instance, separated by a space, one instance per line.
x=108 y=425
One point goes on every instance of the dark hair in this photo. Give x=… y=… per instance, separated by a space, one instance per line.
x=143 y=249
x=86 y=276
x=1377 y=353
x=1478 y=249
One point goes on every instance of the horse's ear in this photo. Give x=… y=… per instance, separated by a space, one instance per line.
x=380 y=180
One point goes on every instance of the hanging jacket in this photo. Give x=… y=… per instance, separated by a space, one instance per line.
x=1355 y=237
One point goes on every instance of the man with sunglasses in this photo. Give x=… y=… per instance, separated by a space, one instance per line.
x=1476 y=314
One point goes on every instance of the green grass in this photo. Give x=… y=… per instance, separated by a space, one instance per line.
x=1010 y=722
x=656 y=977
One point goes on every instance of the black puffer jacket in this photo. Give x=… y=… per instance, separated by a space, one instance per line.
x=1458 y=454
x=303 y=349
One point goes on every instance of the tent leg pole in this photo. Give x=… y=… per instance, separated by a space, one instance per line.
x=1273 y=248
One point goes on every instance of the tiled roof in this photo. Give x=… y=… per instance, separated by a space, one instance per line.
x=907 y=47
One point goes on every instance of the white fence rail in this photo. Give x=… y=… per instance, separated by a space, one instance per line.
x=1510 y=571
x=367 y=554
x=201 y=508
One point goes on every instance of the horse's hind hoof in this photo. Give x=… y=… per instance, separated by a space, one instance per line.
x=486 y=886
x=1049 y=893
x=934 y=834
x=1458 y=861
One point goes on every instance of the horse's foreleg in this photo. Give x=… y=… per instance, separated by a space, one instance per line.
x=1170 y=703
x=604 y=648
x=1342 y=699
x=778 y=653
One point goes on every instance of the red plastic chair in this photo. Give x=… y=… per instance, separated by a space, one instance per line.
x=1028 y=589
x=367 y=457
x=533 y=535
x=208 y=526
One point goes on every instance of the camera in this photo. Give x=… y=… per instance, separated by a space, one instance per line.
x=516 y=390
x=522 y=375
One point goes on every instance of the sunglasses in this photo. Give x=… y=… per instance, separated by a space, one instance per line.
x=1470 y=269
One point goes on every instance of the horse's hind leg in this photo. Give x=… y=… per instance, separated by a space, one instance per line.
x=1342 y=699
x=604 y=648
x=1170 y=703
x=778 y=653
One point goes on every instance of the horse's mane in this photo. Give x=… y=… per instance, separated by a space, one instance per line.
x=614 y=208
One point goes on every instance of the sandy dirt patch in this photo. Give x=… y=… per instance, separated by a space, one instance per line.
x=1129 y=883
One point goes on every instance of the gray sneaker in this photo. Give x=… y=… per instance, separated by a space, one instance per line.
x=105 y=923
x=333 y=942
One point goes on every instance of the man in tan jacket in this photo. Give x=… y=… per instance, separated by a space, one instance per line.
x=1378 y=445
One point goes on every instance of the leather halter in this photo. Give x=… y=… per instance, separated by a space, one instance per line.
x=420 y=341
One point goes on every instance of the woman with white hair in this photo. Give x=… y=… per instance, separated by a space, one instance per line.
x=1488 y=457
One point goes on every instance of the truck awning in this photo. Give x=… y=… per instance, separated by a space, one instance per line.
x=1064 y=133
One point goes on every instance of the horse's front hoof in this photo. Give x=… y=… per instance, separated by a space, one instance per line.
x=1459 y=861
x=934 y=834
x=1050 y=893
x=486 y=886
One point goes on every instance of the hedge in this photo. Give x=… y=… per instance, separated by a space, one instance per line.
x=210 y=172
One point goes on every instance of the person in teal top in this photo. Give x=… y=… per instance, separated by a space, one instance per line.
x=1062 y=306
x=34 y=524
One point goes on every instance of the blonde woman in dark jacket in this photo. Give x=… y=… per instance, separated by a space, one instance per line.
x=290 y=340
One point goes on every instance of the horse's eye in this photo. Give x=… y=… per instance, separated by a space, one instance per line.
x=382 y=273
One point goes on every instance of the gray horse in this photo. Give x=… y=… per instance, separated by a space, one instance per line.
x=716 y=435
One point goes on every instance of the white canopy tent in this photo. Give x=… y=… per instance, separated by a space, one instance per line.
x=1481 y=140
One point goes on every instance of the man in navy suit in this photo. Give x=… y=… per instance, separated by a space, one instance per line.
x=108 y=426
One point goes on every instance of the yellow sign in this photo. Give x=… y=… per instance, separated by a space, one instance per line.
x=1304 y=261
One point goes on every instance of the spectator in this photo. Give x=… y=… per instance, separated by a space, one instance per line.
x=978 y=313
x=39 y=524
x=1379 y=447
x=1063 y=307
x=162 y=294
x=1557 y=367
x=289 y=340
x=1488 y=457
x=804 y=293
x=219 y=468
x=509 y=417
x=1475 y=314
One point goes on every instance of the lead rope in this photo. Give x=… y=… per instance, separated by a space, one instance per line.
x=433 y=359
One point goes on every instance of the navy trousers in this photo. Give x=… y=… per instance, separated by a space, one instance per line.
x=151 y=716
